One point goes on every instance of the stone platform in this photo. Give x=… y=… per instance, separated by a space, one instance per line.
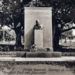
x=54 y=59
x=29 y=54
x=24 y=54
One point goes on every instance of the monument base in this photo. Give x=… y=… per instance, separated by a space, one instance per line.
x=47 y=54
x=43 y=54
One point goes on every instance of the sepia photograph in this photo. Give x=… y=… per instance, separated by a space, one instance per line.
x=37 y=37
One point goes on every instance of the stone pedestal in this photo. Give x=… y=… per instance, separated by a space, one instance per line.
x=38 y=38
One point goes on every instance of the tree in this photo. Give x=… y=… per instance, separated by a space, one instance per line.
x=12 y=11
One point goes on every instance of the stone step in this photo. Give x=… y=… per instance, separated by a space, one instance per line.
x=43 y=54
x=12 y=53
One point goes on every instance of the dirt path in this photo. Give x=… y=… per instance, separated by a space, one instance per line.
x=9 y=68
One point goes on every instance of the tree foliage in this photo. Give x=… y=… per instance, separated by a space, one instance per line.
x=63 y=12
x=11 y=14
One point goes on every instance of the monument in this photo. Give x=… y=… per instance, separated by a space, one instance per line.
x=44 y=37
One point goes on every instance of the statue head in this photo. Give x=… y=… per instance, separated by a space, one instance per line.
x=37 y=22
x=37 y=25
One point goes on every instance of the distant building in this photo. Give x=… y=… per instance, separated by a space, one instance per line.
x=68 y=36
